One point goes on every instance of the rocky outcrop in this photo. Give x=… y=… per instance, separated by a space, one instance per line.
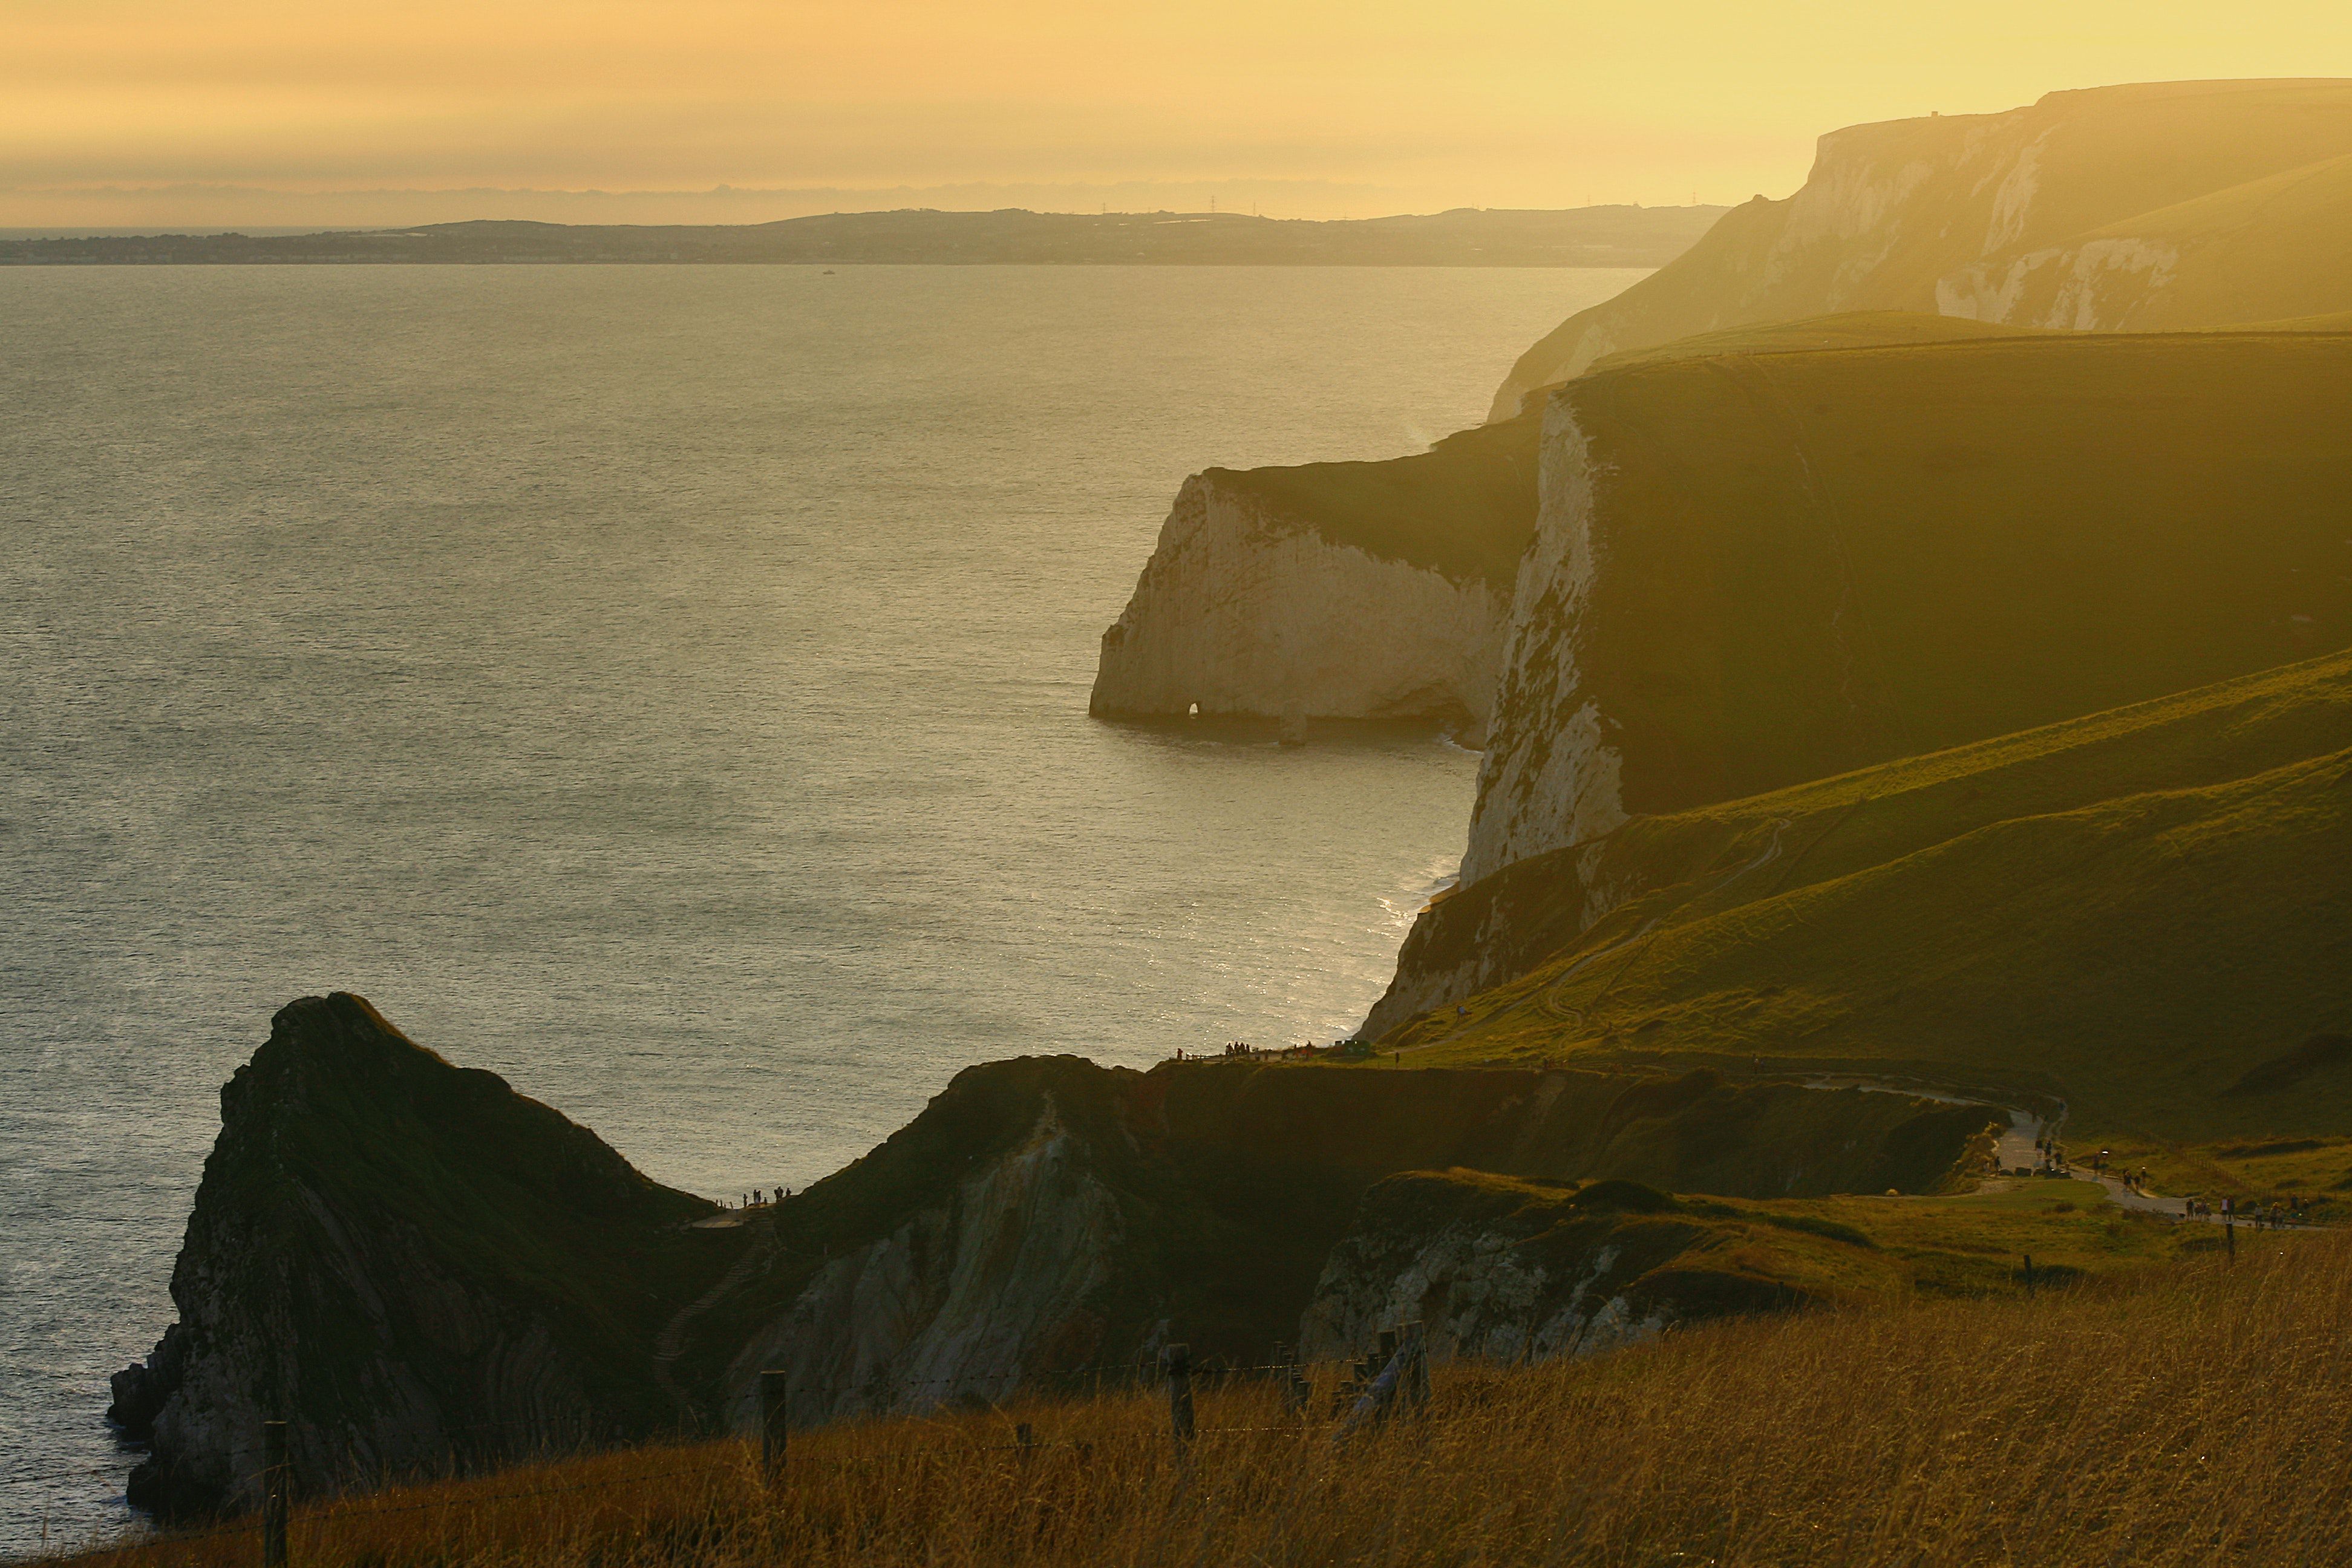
x=411 y=1265
x=419 y=1268
x=1507 y=1272
x=1332 y=591
x=970 y=1300
x=1046 y=1222
x=1243 y=612
x=2155 y=206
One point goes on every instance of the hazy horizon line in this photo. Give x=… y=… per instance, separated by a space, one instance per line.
x=217 y=206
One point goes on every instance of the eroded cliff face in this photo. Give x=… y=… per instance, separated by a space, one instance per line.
x=2093 y=210
x=411 y=1265
x=1510 y=1272
x=1554 y=776
x=968 y=1299
x=1247 y=610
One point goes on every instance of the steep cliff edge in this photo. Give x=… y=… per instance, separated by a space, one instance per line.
x=1331 y=590
x=410 y=1264
x=2151 y=206
x=1754 y=570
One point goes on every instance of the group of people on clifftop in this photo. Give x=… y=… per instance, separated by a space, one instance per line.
x=1241 y=1051
x=761 y=1198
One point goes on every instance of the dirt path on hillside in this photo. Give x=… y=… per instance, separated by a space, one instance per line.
x=2015 y=1149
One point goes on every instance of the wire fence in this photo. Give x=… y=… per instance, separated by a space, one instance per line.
x=1368 y=1389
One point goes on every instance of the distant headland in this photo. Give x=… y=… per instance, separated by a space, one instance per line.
x=1467 y=236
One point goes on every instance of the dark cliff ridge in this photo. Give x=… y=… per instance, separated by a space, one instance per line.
x=412 y=1264
x=419 y=1269
x=1045 y=1219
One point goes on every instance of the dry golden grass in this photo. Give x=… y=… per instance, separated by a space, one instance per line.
x=2196 y=1415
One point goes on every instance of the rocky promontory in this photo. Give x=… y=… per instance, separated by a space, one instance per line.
x=412 y=1266
x=419 y=1268
x=1346 y=591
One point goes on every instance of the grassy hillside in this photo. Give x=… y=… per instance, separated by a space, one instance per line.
x=1813 y=562
x=1892 y=211
x=1466 y=507
x=1843 y=330
x=2267 y=250
x=2185 y=1416
x=2146 y=912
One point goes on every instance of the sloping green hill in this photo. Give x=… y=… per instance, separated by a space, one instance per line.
x=2145 y=912
x=2063 y=213
x=2268 y=250
x=1464 y=506
x=1845 y=329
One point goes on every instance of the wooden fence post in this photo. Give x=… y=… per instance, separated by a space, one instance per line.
x=1294 y=1385
x=275 y=1484
x=775 y=1411
x=1178 y=1362
x=1416 y=1367
x=2029 y=1274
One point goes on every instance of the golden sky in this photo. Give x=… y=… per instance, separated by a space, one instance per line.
x=1394 y=104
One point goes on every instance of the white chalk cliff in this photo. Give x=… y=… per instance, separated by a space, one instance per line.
x=1552 y=778
x=2164 y=205
x=1247 y=610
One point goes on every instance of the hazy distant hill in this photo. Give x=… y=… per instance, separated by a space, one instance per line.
x=1580 y=237
x=2160 y=205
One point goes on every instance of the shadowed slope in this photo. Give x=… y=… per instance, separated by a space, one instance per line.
x=2146 y=912
x=413 y=1266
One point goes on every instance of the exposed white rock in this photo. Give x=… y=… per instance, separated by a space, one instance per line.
x=1244 y=611
x=2019 y=217
x=2098 y=286
x=1477 y=1294
x=1550 y=776
x=955 y=1303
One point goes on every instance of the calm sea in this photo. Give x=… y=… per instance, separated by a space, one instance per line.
x=665 y=686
